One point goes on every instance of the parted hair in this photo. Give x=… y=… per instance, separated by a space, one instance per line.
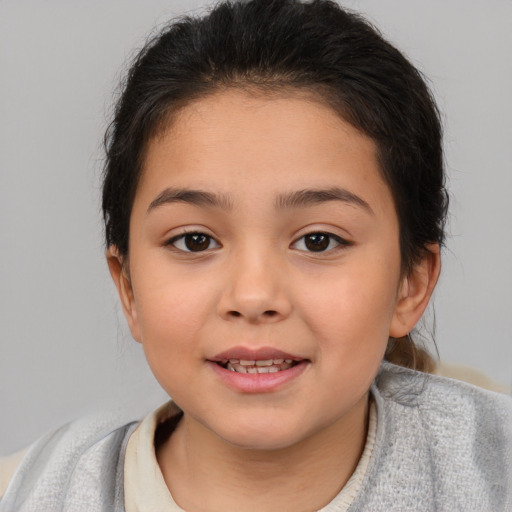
x=275 y=46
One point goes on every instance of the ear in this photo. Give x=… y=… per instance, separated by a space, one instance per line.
x=415 y=291
x=120 y=274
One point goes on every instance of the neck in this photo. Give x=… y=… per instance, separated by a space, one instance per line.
x=205 y=473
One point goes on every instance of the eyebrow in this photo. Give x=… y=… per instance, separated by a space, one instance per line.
x=310 y=197
x=190 y=196
x=295 y=199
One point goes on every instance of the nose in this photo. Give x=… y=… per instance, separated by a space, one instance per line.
x=255 y=290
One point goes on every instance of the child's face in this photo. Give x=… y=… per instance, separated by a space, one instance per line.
x=294 y=253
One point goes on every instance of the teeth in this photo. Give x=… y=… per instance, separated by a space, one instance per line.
x=267 y=362
x=267 y=369
x=260 y=366
x=261 y=362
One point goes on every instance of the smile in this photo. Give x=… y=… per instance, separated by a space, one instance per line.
x=258 y=366
x=261 y=370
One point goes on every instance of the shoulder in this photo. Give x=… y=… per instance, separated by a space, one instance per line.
x=438 y=395
x=447 y=407
x=80 y=462
x=446 y=444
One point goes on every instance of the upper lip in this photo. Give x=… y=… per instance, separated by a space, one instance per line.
x=249 y=354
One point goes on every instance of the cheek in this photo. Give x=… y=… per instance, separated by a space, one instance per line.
x=171 y=311
x=350 y=309
x=169 y=323
x=351 y=326
x=167 y=298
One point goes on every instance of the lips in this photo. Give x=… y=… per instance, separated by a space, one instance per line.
x=257 y=371
x=258 y=361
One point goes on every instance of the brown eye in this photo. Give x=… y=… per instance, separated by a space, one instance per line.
x=193 y=242
x=317 y=242
x=320 y=242
x=197 y=242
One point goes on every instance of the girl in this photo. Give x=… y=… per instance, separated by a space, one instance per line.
x=274 y=205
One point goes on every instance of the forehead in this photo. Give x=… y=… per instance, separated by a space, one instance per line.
x=244 y=145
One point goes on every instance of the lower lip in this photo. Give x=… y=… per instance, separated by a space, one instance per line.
x=258 y=382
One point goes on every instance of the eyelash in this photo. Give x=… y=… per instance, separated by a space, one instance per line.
x=340 y=242
x=207 y=241
x=183 y=238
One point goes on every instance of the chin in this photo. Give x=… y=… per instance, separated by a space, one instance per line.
x=262 y=437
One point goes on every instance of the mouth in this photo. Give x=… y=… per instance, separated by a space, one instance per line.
x=256 y=361
x=261 y=370
x=257 y=365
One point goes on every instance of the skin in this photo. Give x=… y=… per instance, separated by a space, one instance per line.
x=258 y=284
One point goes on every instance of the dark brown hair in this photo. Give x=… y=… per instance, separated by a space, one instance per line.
x=278 y=45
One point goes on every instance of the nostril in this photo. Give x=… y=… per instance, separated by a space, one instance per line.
x=270 y=313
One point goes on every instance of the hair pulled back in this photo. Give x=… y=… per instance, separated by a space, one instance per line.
x=271 y=46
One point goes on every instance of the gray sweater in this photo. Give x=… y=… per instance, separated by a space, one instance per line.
x=441 y=445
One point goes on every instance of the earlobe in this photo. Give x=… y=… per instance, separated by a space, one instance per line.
x=120 y=275
x=415 y=292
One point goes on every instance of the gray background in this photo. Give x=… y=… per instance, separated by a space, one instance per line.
x=64 y=348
